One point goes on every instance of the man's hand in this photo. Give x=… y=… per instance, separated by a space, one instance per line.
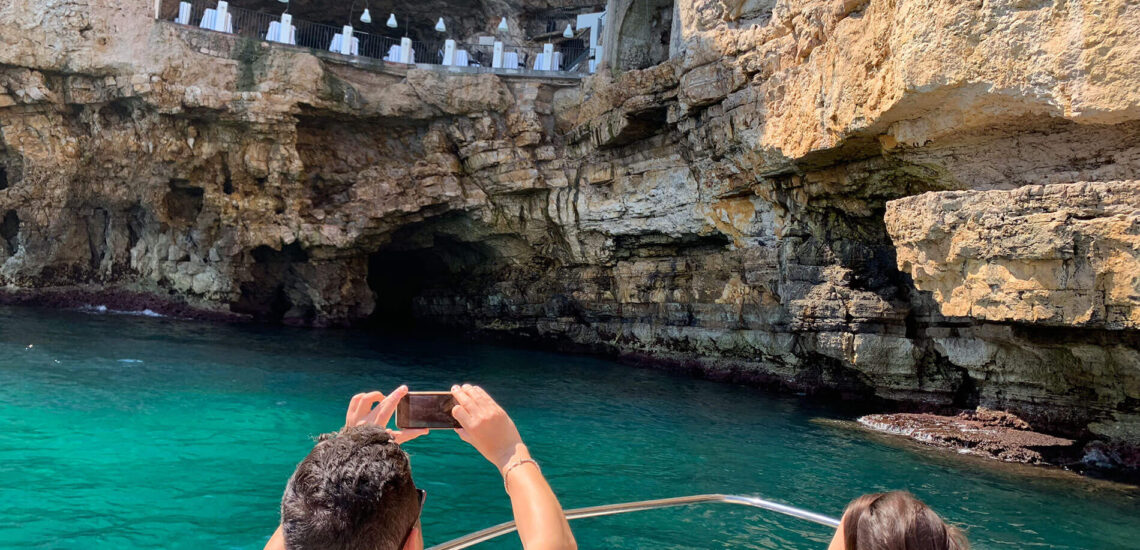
x=361 y=412
x=486 y=425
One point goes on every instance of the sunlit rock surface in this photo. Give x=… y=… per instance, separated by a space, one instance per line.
x=1054 y=255
x=722 y=210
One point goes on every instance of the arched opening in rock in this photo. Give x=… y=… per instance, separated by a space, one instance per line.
x=643 y=40
x=424 y=285
x=227 y=179
x=183 y=202
x=266 y=296
x=441 y=273
x=10 y=170
x=116 y=112
x=98 y=226
x=9 y=230
x=137 y=220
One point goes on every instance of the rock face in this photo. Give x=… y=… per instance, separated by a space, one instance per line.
x=871 y=198
x=1062 y=258
x=1056 y=255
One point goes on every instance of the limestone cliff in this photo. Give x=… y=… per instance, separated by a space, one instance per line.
x=870 y=197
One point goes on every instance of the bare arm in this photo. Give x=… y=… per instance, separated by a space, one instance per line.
x=541 y=523
x=486 y=426
x=838 y=542
x=277 y=541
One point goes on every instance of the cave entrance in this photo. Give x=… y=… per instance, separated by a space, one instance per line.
x=183 y=202
x=644 y=37
x=10 y=231
x=269 y=294
x=429 y=285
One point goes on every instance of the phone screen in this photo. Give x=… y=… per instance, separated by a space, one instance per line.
x=426 y=410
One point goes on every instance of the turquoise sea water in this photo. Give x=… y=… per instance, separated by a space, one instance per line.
x=125 y=432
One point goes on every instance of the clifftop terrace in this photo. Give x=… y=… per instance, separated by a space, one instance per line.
x=569 y=58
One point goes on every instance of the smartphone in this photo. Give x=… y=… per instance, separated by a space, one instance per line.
x=426 y=409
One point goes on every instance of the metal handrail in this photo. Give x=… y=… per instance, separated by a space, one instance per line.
x=624 y=508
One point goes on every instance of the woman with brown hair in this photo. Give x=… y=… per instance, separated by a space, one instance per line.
x=894 y=521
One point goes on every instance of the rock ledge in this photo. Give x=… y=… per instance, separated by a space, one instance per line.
x=984 y=432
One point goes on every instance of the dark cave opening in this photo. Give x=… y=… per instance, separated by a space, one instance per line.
x=227 y=178
x=116 y=112
x=9 y=230
x=646 y=31
x=136 y=224
x=397 y=279
x=98 y=225
x=431 y=285
x=265 y=296
x=183 y=202
x=3 y=177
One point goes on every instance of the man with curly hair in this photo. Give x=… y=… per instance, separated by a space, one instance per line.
x=354 y=491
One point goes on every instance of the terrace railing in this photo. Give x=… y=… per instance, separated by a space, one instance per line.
x=260 y=25
x=565 y=58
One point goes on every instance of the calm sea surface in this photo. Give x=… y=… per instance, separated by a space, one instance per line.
x=125 y=432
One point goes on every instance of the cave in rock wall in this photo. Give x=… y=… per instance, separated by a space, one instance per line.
x=10 y=230
x=399 y=279
x=644 y=33
x=274 y=291
x=426 y=276
x=452 y=270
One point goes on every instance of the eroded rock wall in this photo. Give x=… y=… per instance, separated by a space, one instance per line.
x=1052 y=270
x=728 y=210
x=238 y=177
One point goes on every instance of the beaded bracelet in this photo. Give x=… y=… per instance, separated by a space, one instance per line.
x=516 y=465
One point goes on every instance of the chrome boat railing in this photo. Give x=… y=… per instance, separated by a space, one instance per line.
x=627 y=507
